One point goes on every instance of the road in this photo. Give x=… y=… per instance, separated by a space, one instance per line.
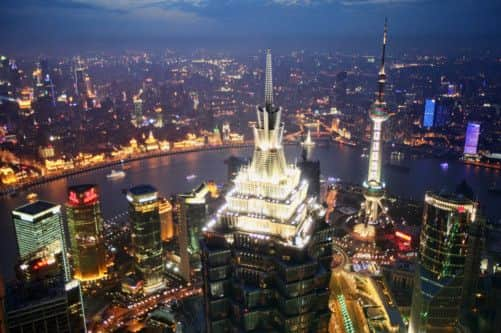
x=117 y=317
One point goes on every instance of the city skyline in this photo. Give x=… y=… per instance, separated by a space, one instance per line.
x=161 y=171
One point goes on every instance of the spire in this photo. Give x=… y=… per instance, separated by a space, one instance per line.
x=268 y=88
x=385 y=38
x=382 y=74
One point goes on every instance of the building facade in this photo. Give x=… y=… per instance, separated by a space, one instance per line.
x=471 y=139
x=145 y=222
x=443 y=267
x=38 y=228
x=192 y=216
x=85 y=225
x=47 y=306
x=263 y=255
x=167 y=230
x=40 y=235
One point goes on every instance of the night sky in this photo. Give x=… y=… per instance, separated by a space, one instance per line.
x=57 y=23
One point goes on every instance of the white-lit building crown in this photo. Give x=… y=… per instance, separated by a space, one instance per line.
x=269 y=199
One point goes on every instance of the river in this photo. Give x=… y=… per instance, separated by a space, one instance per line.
x=168 y=175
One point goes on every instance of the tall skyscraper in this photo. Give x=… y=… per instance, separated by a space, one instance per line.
x=85 y=225
x=340 y=90
x=443 y=108
x=429 y=113
x=374 y=186
x=260 y=255
x=145 y=221
x=192 y=216
x=137 y=115
x=40 y=233
x=226 y=131
x=471 y=139
x=80 y=86
x=442 y=272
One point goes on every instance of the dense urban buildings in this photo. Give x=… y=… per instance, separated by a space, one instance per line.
x=261 y=254
x=85 y=226
x=145 y=222
x=308 y=217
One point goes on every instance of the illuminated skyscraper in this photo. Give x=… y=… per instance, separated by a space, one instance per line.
x=137 y=115
x=260 y=255
x=226 y=131
x=38 y=228
x=85 y=225
x=446 y=261
x=145 y=221
x=429 y=113
x=443 y=109
x=192 y=216
x=471 y=139
x=374 y=186
x=40 y=233
x=166 y=220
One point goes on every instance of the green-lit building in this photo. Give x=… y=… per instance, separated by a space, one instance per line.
x=85 y=225
x=40 y=233
x=445 y=268
x=38 y=228
x=145 y=222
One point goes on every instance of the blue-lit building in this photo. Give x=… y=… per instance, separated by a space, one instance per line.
x=443 y=107
x=429 y=113
x=471 y=138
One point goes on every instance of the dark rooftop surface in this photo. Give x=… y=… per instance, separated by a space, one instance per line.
x=142 y=189
x=35 y=207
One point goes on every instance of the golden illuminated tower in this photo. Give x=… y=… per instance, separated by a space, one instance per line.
x=144 y=215
x=85 y=225
x=262 y=256
x=166 y=220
